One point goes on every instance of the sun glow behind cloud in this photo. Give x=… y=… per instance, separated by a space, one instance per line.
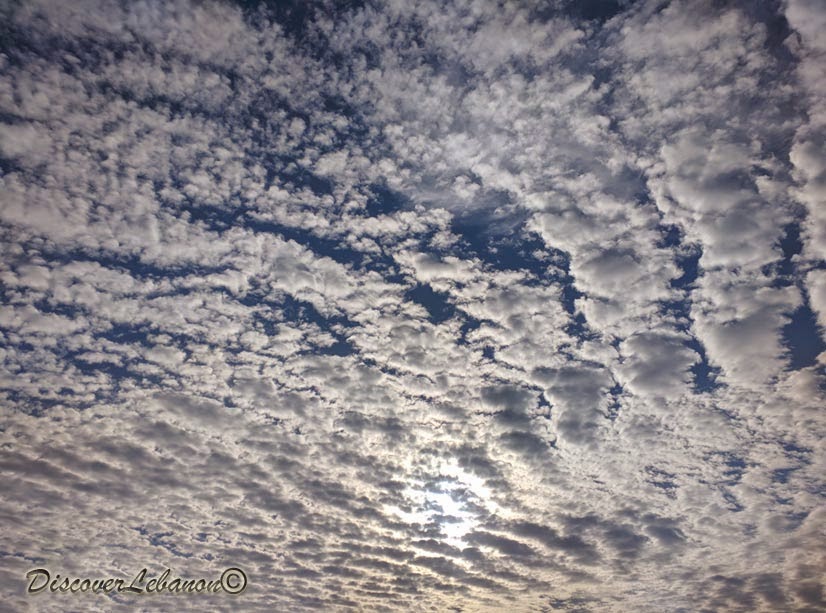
x=452 y=501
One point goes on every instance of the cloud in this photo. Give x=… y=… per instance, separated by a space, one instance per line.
x=460 y=306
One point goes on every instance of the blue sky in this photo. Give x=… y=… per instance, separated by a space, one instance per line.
x=416 y=305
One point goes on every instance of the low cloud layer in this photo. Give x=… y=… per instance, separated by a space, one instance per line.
x=415 y=306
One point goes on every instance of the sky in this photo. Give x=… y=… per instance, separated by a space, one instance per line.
x=415 y=305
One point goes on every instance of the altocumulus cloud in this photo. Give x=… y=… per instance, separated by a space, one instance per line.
x=415 y=305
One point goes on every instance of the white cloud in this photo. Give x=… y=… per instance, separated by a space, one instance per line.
x=212 y=353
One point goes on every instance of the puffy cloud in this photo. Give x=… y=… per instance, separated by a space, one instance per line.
x=413 y=305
